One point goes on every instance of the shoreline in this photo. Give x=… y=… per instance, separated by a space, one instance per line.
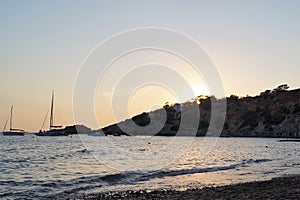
x=287 y=187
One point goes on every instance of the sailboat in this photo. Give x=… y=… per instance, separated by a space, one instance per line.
x=12 y=131
x=53 y=130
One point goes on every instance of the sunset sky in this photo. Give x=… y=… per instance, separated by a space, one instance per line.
x=254 y=45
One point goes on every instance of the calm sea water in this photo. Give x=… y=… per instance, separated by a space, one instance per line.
x=36 y=167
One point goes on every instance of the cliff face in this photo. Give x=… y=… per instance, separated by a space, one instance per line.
x=273 y=113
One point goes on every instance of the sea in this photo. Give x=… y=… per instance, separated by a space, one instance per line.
x=44 y=167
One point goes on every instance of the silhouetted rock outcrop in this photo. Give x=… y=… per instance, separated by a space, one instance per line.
x=273 y=113
x=77 y=129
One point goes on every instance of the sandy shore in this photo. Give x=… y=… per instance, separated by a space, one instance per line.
x=277 y=188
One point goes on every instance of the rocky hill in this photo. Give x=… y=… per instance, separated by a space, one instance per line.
x=273 y=113
x=75 y=129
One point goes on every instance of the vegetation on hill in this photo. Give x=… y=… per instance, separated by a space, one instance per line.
x=273 y=113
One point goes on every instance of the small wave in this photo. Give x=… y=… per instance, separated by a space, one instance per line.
x=68 y=154
x=261 y=160
x=256 y=161
x=14 y=160
x=10 y=183
x=11 y=150
x=163 y=174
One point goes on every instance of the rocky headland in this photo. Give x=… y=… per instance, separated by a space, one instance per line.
x=273 y=113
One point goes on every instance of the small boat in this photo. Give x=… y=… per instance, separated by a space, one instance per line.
x=12 y=131
x=53 y=130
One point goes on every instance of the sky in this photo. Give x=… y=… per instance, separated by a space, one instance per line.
x=253 y=44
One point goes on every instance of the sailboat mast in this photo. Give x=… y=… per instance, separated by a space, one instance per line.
x=11 y=116
x=51 y=111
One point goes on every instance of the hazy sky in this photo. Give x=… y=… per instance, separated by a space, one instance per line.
x=254 y=44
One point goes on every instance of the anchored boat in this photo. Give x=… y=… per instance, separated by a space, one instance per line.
x=12 y=131
x=53 y=130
